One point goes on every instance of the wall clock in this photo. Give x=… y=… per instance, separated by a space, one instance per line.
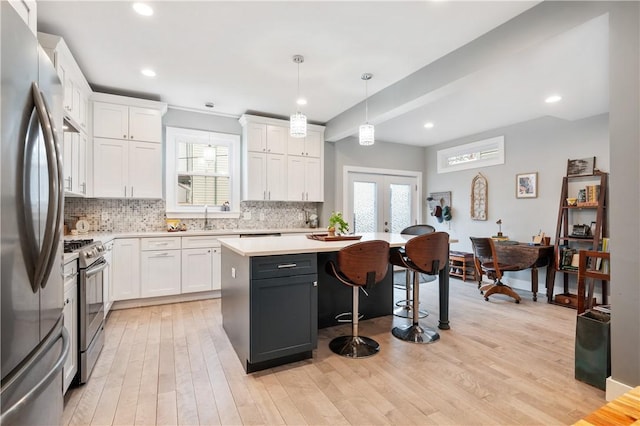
x=479 y=197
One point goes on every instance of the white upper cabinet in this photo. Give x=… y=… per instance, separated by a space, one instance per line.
x=309 y=146
x=268 y=169
x=117 y=121
x=127 y=169
x=127 y=147
x=76 y=89
x=28 y=11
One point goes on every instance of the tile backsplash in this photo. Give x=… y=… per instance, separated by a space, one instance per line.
x=115 y=215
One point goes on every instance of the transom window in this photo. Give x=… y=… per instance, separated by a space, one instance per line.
x=203 y=169
x=488 y=152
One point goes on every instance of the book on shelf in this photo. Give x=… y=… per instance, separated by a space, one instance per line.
x=604 y=266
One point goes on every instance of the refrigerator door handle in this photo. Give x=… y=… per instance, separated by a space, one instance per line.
x=52 y=233
x=44 y=382
x=59 y=182
x=31 y=249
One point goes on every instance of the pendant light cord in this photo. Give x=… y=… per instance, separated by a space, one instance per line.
x=366 y=102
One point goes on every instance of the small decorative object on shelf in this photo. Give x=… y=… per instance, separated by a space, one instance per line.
x=337 y=223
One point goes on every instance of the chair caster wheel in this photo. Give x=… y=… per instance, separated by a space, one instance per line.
x=486 y=299
x=517 y=302
x=481 y=292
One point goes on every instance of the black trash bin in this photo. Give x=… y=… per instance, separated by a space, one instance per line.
x=593 y=348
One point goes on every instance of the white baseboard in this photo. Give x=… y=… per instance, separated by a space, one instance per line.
x=188 y=297
x=614 y=389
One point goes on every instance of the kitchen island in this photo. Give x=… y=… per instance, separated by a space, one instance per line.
x=276 y=294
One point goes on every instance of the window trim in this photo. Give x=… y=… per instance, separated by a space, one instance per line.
x=235 y=173
x=491 y=144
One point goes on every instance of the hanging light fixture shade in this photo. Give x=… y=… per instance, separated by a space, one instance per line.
x=367 y=131
x=298 y=121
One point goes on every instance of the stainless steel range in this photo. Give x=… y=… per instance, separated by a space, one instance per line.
x=91 y=264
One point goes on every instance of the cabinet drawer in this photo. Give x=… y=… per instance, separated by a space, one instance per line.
x=283 y=266
x=201 y=242
x=170 y=243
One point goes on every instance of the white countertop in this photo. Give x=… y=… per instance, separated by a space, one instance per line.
x=108 y=236
x=293 y=244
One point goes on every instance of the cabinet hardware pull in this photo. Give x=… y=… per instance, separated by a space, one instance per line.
x=287 y=265
x=164 y=243
x=125 y=190
x=124 y=136
x=131 y=136
x=162 y=254
x=315 y=283
x=66 y=302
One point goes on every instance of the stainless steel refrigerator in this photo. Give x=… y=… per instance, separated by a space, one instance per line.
x=33 y=343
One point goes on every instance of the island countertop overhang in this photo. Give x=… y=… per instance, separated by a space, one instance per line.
x=296 y=244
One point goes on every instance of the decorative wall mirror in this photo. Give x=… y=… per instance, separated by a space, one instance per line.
x=479 y=190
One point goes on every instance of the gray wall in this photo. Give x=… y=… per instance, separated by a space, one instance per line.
x=624 y=123
x=541 y=146
x=381 y=155
x=195 y=120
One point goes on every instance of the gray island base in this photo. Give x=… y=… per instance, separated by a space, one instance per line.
x=276 y=294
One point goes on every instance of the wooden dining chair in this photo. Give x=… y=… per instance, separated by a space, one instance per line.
x=588 y=274
x=487 y=262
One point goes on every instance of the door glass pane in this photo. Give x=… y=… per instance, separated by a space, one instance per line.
x=400 y=208
x=364 y=207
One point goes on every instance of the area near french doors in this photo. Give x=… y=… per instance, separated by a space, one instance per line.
x=381 y=200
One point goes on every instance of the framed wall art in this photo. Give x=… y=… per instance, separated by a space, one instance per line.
x=581 y=167
x=527 y=185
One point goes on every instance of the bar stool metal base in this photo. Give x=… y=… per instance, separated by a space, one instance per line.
x=405 y=311
x=416 y=333
x=354 y=346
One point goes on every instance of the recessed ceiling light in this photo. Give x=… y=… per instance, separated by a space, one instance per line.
x=428 y=125
x=301 y=101
x=147 y=72
x=143 y=9
x=553 y=99
x=209 y=104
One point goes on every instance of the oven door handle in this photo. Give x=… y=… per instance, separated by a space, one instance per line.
x=99 y=266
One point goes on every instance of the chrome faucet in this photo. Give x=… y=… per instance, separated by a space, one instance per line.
x=206 y=218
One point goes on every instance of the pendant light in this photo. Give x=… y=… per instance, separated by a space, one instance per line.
x=366 y=130
x=298 y=122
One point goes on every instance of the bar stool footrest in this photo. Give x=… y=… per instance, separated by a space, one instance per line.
x=354 y=346
x=416 y=334
x=407 y=312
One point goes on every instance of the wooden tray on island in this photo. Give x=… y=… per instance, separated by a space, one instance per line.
x=327 y=237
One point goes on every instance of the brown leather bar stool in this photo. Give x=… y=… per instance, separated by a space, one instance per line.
x=358 y=265
x=404 y=306
x=426 y=254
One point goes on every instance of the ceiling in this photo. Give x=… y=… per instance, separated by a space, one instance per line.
x=238 y=55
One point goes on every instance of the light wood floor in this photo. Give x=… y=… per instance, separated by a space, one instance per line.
x=500 y=363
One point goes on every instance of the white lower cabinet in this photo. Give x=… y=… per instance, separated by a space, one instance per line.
x=201 y=257
x=125 y=270
x=70 y=319
x=160 y=269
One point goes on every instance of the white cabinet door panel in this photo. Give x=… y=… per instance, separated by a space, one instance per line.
x=295 y=183
x=126 y=269
x=197 y=269
x=256 y=137
x=145 y=170
x=256 y=176
x=110 y=120
x=276 y=139
x=145 y=124
x=160 y=273
x=313 y=144
x=110 y=168
x=276 y=177
x=313 y=180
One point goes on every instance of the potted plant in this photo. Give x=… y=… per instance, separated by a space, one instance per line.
x=337 y=223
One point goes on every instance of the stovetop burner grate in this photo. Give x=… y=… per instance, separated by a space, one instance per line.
x=72 y=245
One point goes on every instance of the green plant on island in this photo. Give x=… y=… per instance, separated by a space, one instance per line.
x=337 y=224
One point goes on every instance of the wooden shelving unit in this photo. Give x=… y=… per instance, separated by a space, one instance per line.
x=568 y=243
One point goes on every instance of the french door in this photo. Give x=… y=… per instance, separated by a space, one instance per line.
x=378 y=202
